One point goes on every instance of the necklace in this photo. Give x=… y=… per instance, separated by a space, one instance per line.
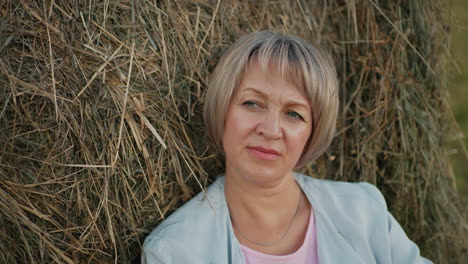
x=279 y=240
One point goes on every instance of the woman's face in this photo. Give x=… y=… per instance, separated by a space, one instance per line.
x=267 y=125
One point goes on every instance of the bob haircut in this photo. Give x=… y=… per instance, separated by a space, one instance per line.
x=307 y=66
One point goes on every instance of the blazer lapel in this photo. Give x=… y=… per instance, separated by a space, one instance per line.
x=332 y=247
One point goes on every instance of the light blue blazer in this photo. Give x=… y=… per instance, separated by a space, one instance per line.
x=352 y=221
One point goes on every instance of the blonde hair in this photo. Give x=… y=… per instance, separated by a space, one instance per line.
x=306 y=65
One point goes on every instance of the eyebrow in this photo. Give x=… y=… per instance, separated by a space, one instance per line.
x=262 y=94
x=254 y=90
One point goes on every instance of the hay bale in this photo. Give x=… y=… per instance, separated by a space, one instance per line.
x=101 y=134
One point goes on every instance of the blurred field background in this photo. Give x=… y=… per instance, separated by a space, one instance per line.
x=458 y=88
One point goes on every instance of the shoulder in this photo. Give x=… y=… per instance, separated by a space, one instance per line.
x=353 y=208
x=341 y=192
x=180 y=231
x=202 y=208
x=357 y=211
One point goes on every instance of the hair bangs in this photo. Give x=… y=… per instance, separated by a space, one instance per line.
x=282 y=56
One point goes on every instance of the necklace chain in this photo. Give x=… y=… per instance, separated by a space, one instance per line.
x=279 y=240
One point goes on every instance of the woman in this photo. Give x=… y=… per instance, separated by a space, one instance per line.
x=271 y=107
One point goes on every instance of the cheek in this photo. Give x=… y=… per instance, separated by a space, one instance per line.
x=236 y=129
x=238 y=122
x=298 y=139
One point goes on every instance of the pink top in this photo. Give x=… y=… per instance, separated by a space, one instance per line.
x=307 y=253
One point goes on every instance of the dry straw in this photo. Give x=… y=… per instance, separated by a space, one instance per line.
x=101 y=134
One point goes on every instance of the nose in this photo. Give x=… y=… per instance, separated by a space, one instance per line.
x=270 y=125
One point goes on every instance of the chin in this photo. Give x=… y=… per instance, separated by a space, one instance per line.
x=265 y=175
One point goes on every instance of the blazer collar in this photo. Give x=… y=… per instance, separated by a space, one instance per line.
x=332 y=246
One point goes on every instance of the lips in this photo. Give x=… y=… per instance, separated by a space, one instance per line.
x=264 y=153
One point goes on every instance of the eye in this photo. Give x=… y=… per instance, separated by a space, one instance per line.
x=295 y=115
x=251 y=104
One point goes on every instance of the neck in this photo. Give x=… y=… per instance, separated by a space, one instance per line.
x=250 y=201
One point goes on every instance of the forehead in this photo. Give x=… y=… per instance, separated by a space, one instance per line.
x=256 y=75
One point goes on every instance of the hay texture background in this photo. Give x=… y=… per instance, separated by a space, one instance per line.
x=101 y=134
